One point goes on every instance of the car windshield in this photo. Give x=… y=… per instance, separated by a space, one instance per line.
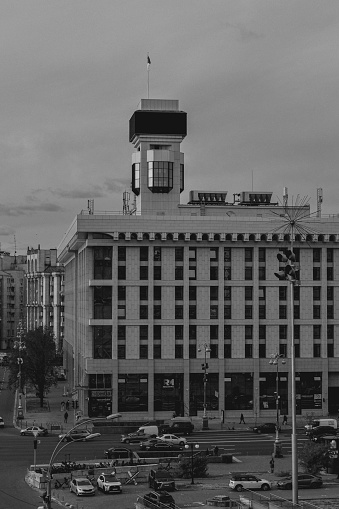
x=83 y=482
x=110 y=478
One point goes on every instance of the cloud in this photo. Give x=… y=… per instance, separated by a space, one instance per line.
x=20 y=210
x=6 y=230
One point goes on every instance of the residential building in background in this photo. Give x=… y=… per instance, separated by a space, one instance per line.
x=45 y=305
x=155 y=292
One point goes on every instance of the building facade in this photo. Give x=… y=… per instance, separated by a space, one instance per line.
x=153 y=295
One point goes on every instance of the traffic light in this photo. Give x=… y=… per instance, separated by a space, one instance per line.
x=289 y=272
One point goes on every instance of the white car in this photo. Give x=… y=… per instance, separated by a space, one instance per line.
x=108 y=483
x=2 y=424
x=81 y=486
x=241 y=481
x=173 y=439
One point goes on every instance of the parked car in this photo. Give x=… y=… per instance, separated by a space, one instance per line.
x=163 y=446
x=83 y=435
x=173 y=439
x=304 y=481
x=267 y=427
x=159 y=499
x=320 y=431
x=161 y=480
x=34 y=431
x=239 y=482
x=2 y=424
x=118 y=453
x=81 y=486
x=108 y=483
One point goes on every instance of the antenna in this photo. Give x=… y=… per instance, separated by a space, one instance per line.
x=14 y=249
x=125 y=199
x=285 y=197
x=319 y=200
x=90 y=206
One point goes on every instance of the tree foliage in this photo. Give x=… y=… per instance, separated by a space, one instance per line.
x=199 y=466
x=314 y=457
x=38 y=354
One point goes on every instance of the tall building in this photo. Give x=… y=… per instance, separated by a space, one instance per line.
x=154 y=295
x=45 y=305
x=12 y=297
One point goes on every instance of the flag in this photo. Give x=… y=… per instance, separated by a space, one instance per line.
x=148 y=62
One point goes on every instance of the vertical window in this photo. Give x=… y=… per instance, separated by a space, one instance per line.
x=262 y=312
x=179 y=312
x=262 y=254
x=143 y=315
x=157 y=351
x=179 y=332
x=330 y=292
x=121 y=312
x=160 y=176
x=282 y=293
x=227 y=273
x=179 y=273
x=316 y=292
x=214 y=273
x=103 y=302
x=179 y=293
x=121 y=254
x=157 y=254
x=227 y=350
x=262 y=293
x=329 y=255
x=179 y=351
x=214 y=252
x=262 y=331
x=143 y=351
x=329 y=271
x=262 y=273
x=192 y=254
x=297 y=350
x=143 y=332
x=248 y=332
x=330 y=350
x=297 y=332
x=192 y=332
x=316 y=255
x=192 y=311
x=213 y=312
x=282 y=331
x=262 y=350
x=144 y=254
x=192 y=272
x=182 y=178
x=192 y=293
x=102 y=342
x=227 y=312
x=316 y=331
x=143 y=292
x=179 y=254
x=214 y=351
x=157 y=272
x=248 y=350
x=214 y=332
x=157 y=292
x=192 y=351
x=227 y=254
x=157 y=312
x=296 y=312
x=121 y=272
x=121 y=292
x=330 y=331
x=317 y=350
x=248 y=273
x=248 y=254
x=316 y=312
x=157 y=332
x=143 y=272
x=283 y=349
x=102 y=263
x=248 y=312
x=214 y=292
x=248 y=293
x=330 y=312
x=282 y=312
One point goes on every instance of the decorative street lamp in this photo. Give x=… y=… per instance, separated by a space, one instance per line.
x=48 y=496
x=20 y=346
x=207 y=350
x=275 y=358
x=192 y=446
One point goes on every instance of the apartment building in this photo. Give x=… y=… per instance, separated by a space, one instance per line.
x=155 y=294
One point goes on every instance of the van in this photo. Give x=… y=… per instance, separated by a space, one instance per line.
x=322 y=422
x=148 y=430
x=143 y=433
x=178 y=426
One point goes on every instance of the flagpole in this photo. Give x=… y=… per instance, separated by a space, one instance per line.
x=148 y=69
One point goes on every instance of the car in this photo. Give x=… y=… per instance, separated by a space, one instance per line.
x=304 y=481
x=81 y=435
x=81 y=486
x=108 y=483
x=239 y=482
x=163 y=446
x=267 y=427
x=161 y=480
x=118 y=453
x=2 y=424
x=151 y=441
x=135 y=438
x=178 y=426
x=34 y=431
x=173 y=439
x=320 y=431
x=161 y=499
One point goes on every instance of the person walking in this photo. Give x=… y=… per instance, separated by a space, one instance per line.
x=67 y=404
x=62 y=406
x=272 y=465
x=242 y=420
x=285 y=420
x=65 y=417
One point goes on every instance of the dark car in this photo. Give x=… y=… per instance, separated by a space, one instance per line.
x=144 y=445
x=267 y=427
x=304 y=481
x=178 y=426
x=319 y=431
x=161 y=480
x=158 y=499
x=163 y=446
x=135 y=438
x=118 y=453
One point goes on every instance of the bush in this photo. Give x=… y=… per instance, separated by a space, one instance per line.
x=314 y=457
x=199 y=467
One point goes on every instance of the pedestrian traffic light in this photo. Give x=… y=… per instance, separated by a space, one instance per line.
x=289 y=272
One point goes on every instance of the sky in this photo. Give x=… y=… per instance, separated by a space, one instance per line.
x=259 y=80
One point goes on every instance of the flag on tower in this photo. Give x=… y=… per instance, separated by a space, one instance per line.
x=148 y=62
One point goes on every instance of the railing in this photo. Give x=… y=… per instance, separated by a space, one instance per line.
x=274 y=501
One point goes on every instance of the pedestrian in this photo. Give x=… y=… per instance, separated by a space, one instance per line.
x=242 y=420
x=207 y=451
x=67 y=404
x=65 y=416
x=216 y=450
x=272 y=465
x=285 y=419
x=62 y=408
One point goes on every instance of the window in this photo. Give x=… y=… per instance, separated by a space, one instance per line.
x=192 y=310
x=143 y=312
x=214 y=332
x=160 y=176
x=282 y=331
x=179 y=312
x=248 y=293
x=227 y=351
x=227 y=273
x=296 y=312
x=103 y=302
x=121 y=254
x=143 y=272
x=144 y=254
x=330 y=350
x=121 y=292
x=283 y=349
x=192 y=332
x=192 y=254
x=262 y=293
x=248 y=273
x=143 y=351
x=192 y=351
x=213 y=273
x=227 y=332
x=102 y=263
x=316 y=292
x=157 y=312
x=330 y=293
x=179 y=293
x=329 y=255
x=316 y=255
x=282 y=293
x=296 y=292
x=157 y=332
x=316 y=312
x=262 y=312
x=179 y=351
x=214 y=252
x=121 y=312
x=157 y=254
x=330 y=312
x=179 y=254
x=282 y=312
x=329 y=271
x=214 y=351
x=330 y=331
x=316 y=274
x=121 y=351
x=143 y=292
x=102 y=342
x=248 y=254
x=248 y=332
x=213 y=312
x=157 y=272
x=297 y=350
x=316 y=331
x=227 y=254
x=157 y=292
x=262 y=350
x=228 y=292
x=317 y=350
x=179 y=273
x=121 y=272
x=248 y=350
x=122 y=332
x=262 y=273
x=192 y=292
x=143 y=332
x=227 y=312
x=262 y=254
x=248 y=312
x=179 y=331
x=262 y=331
x=297 y=332
x=214 y=293
x=157 y=351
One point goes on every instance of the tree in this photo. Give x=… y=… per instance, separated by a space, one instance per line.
x=199 y=466
x=314 y=457
x=37 y=350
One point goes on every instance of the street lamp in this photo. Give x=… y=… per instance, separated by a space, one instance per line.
x=48 y=497
x=20 y=345
x=207 y=350
x=192 y=446
x=275 y=358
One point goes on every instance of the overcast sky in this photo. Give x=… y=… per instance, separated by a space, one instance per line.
x=259 y=80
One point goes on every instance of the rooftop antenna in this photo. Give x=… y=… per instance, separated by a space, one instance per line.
x=285 y=197
x=319 y=200
x=125 y=200
x=14 y=249
x=90 y=206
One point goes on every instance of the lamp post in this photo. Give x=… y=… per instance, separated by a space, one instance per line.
x=20 y=346
x=192 y=446
x=48 y=497
x=207 y=349
x=275 y=358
